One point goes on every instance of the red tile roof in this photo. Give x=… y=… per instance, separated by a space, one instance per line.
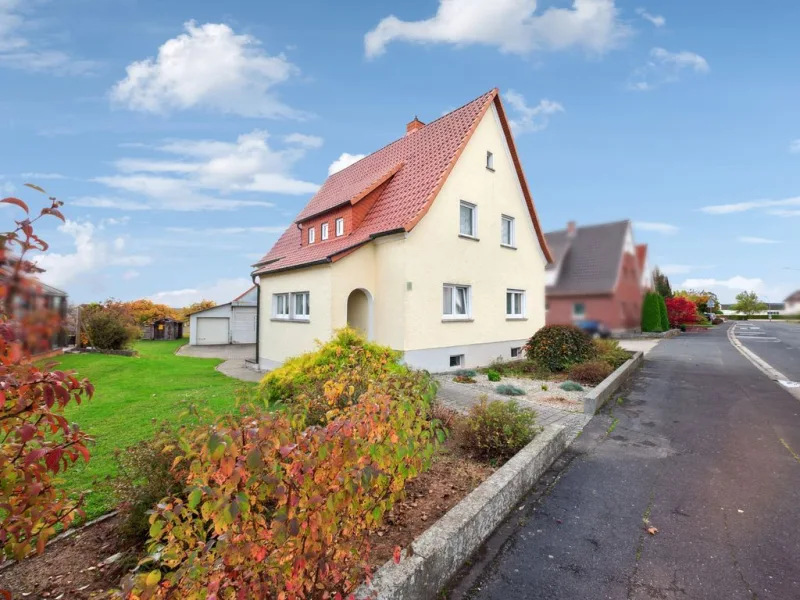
x=416 y=166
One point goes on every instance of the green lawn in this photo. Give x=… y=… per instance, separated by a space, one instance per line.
x=131 y=396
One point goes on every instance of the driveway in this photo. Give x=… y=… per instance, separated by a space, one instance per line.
x=704 y=448
x=234 y=356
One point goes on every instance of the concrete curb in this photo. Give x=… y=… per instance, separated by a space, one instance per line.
x=595 y=399
x=436 y=555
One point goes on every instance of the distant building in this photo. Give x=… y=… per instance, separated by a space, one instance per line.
x=598 y=273
x=793 y=304
x=773 y=308
x=231 y=323
x=43 y=297
x=163 y=329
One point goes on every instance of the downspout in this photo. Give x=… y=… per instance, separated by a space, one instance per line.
x=258 y=317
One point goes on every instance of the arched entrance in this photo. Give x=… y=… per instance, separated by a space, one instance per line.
x=359 y=312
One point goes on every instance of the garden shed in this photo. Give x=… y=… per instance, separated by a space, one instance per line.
x=163 y=329
x=231 y=323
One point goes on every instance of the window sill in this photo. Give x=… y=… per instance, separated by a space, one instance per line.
x=490 y=169
x=512 y=318
x=469 y=237
x=507 y=246
x=277 y=320
x=457 y=320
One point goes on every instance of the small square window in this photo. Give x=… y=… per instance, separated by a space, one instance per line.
x=578 y=310
x=323 y=231
x=515 y=304
x=507 y=233
x=457 y=360
x=311 y=235
x=339 y=227
x=467 y=220
x=490 y=161
x=456 y=301
x=516 y=352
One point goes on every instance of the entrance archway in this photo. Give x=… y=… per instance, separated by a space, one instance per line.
x=359 y=312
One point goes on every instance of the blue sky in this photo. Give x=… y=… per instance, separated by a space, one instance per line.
x=184 y=136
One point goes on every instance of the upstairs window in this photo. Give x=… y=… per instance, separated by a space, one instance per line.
x=323 y=232
x=468 y=219
x=507 y=233
x=339 y=227
x=311 y=236
x=456 y=301
x=490 y=161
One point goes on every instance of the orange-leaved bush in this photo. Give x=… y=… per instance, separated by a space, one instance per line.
x=36 y=441
x=276 y=509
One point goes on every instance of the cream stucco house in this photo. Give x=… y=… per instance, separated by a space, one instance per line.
x=430 y=245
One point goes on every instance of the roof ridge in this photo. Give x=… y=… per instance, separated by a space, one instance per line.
x=592 y=226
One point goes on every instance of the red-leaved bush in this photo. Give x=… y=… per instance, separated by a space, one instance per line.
x=681 y=311
x=36 y=441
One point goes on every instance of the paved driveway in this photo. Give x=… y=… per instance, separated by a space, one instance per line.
x=234 y=356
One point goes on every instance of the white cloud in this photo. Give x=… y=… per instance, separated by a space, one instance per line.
x=6 y=187
x=345 y=160
x=31 y=176
x=303 y=140
x=724 y=209
x=90 y=255
x=666 y=67
x=745 y=239
x=19 y=51
x=509 y=25
x=794 y=146
x=109 y=202
x=656 y=20
x=210 y=67
x=228 y=230
x=200 y=168
x=530 y=119
x=664 y=228
x=726 y=289
x=221 y=291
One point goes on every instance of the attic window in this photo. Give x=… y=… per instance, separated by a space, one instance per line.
x=323 y=235
x=311 y=235
x=490 y=161
x=339 y=227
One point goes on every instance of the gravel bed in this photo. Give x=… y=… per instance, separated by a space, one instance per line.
x=532 y=387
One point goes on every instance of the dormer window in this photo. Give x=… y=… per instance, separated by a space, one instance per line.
x=311 y=235
x=323 y=232
x=490 y=161
x=339 y=227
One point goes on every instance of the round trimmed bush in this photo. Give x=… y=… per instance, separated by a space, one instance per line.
x=557 y=347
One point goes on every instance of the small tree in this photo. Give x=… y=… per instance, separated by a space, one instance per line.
x=661 y=283
x=681 y=311
x=651 y=313
x=36 y=440
x=748 y=303
x=662 y=306
x=111 y=327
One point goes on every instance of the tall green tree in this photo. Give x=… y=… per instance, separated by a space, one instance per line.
x=662 y=307
x=748 y=303
x=661 y=283
x=651 y=312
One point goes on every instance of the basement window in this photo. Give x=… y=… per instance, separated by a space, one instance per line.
x=457 y=360
x=516 y=352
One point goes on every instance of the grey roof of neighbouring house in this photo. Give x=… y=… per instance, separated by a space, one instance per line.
x=587 y=262
x=49 y=290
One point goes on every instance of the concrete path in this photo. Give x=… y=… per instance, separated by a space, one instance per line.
x=706 y=449
x=644 y=345
x=234 y=356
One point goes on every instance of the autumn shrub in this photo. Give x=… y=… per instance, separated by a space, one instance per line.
x=276 y=509
x=592 y=372
x=651 y=313
x=681 y=311
x=611 y=352
x=497 y=430
x=556 y=347
x=110 y=328
x=493 y=375
x=571 y=386
x=36 y=440
x=509 y=390
x=464 y=379
x=348 y=359
x=146 y=475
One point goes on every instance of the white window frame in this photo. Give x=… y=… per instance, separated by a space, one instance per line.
x=311 y=235
x=460 y=359
x=275 y=308
x=339 y=226
x=489 y=160
x=576 y=316
x=512 y=243
x=323 y=231
x=452 y=315
x=474 y=209
x=522 y=302
x=305 y=313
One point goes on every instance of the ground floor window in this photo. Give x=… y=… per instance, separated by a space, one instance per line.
x=578 y=310
x=456 y=300
x=293 y=306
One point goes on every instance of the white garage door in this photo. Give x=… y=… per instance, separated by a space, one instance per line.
x=244 y=325
x=212 y=331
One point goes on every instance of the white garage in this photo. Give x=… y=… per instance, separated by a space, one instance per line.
x=231 y=323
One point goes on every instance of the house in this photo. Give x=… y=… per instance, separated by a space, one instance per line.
x=163 y=329
x=43 y=297
x=598 y=273
x=231 y=323
x=792 y=304
x=770 y=308
x=431 y=246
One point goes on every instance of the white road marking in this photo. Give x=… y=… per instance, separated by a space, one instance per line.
x=761 y=364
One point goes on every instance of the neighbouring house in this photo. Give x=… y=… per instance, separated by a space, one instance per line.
x=770 y=308
x=598 y=273
x=163 y=329
x=792 y=304
x=431 y=246
x=231 y=323
x=43 y=297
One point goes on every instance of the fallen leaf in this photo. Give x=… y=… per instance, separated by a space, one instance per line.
x=652 y=530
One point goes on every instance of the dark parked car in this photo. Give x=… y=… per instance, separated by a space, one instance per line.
x=594 y=329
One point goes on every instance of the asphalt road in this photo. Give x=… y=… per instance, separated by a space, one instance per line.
x=778 y=343
x=705 y=448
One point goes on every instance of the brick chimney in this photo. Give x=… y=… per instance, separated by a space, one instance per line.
x=572 y=229
x=414 y=125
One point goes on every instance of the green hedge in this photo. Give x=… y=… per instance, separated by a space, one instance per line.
x=651 y=313
x=761 y=317
x=662 y=306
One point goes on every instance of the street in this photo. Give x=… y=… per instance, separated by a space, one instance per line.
x=777 y=342
x=702 y=447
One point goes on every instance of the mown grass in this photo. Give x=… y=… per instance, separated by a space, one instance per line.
x=133 y=395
